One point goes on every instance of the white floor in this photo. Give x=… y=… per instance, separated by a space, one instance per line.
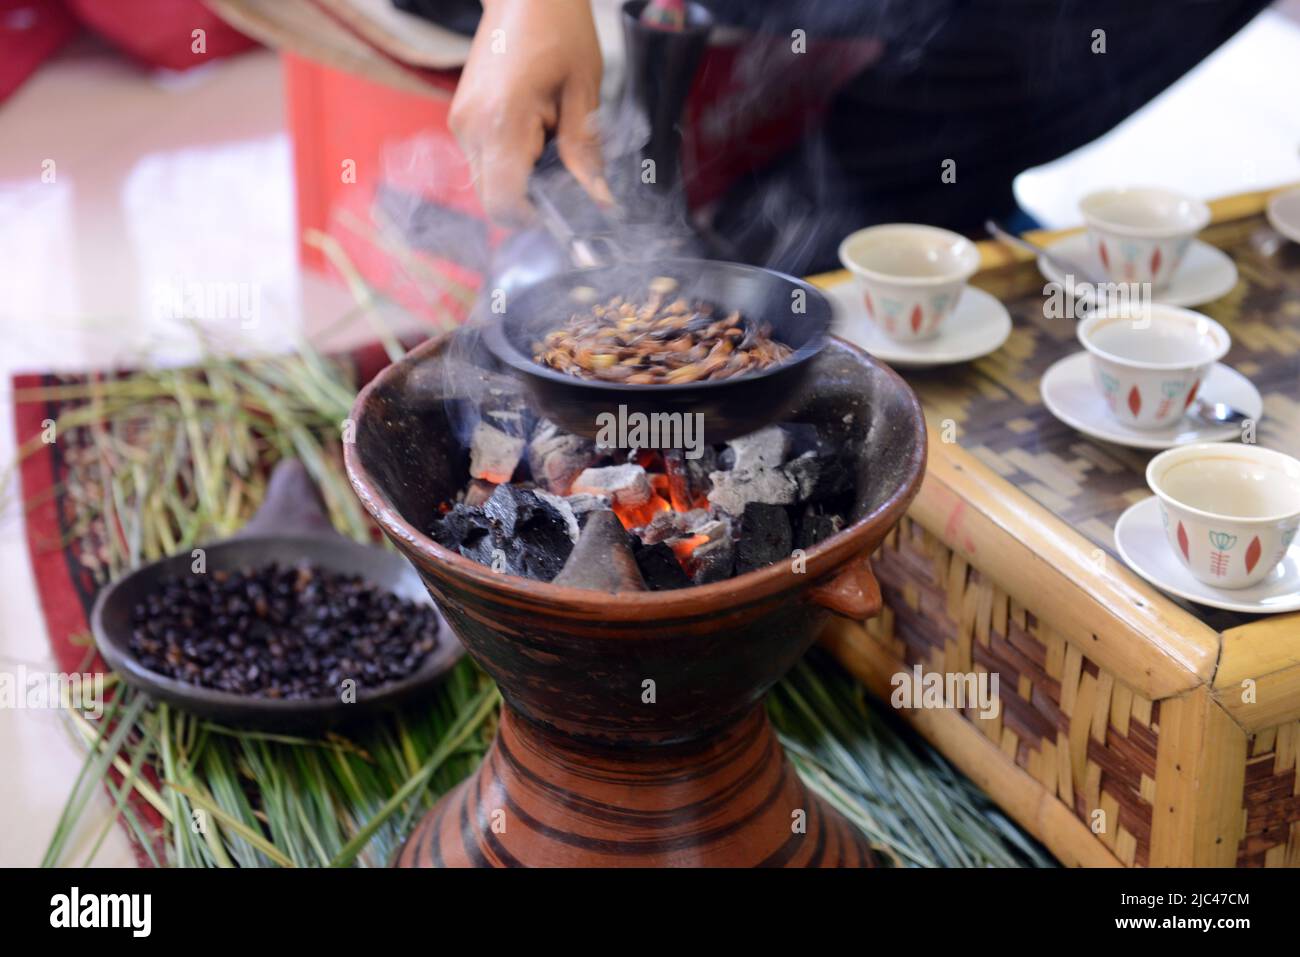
x=158 y=177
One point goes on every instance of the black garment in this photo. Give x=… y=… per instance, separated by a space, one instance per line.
x=995 y=85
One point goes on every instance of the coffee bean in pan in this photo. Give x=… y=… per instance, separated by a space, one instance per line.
x=660 y=340
x=286 y=632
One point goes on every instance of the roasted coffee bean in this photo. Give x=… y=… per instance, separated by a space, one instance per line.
x=281 y=632
x=660 y=340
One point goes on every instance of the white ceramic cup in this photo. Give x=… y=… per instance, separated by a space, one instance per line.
x=1230 y=511
x=910 y=277
x=1149 y=360
x=1142 y=234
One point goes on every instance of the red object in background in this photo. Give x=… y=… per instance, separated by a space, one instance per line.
x=353 y=136
x=160 y=33
x=31 y=31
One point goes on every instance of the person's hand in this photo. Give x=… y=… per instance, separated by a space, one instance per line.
x=534 y=67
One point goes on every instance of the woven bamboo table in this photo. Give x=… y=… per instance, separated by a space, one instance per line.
x=1135 y=729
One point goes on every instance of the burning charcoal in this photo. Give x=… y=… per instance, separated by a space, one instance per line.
x=695 y=519
x=478 y=492
x=602 y=560
x=626 y=485
x=663 y=526
x=713 y=561
x=835 y=478
x=712 y=529
x=584 y=505
x=734 y=490
x=666 y=525
x=765 y=537
x=494 y=455
x=509 y=421
x=660 y=568
x=516 y=531
x=764 y=449
x=816 y=528
x=462 y=524
x=651 y=460
x=564 y=509
x=688 y=479
x=805 y=471
x=556 y=457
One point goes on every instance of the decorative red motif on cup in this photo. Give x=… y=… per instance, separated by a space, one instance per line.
x=1252 y=554
x=1182 y=541
x=1105 y=256
x=1192 y=395
x=1155 y=261
x=916 y=317
x=1134 y=401
x=871 y=310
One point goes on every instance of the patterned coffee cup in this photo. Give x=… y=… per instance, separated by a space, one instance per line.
x=1149 y=360
x=1141 y=235
x=909 y=277
x=1230 y=511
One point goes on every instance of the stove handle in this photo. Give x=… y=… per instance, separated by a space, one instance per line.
x=853 y=592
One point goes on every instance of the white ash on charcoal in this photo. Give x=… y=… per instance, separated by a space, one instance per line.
x=556 y=457
x=493 y=454
x=478 y=491
x=765 y=449
x=626 y=485
x=714 y=559
x=583 y=505
x=515 y=531
x=564 y=509
x=670 y=524
x=734 y=490
x=819 y=477
x=511 y=421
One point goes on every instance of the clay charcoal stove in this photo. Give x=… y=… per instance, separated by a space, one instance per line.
x=685 y=519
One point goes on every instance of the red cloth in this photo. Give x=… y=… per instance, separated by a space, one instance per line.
x=161 y=33
x=65 y=588
x=157 y=33
x=31 y=31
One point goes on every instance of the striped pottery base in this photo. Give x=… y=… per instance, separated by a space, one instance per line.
x=728 y=800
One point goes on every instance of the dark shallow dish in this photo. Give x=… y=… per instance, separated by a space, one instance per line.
x=289 y=528
x=730 y=407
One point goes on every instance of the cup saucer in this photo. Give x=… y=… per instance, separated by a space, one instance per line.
x=1284 y=214
x=1070 y=393
x=1206 y=272
x=1141 y=542
x=978 y=326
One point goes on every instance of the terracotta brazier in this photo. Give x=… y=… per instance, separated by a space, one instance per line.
x=633 y=732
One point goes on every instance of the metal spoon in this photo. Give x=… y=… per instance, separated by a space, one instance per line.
x=1217 y=413
x=1064 y=266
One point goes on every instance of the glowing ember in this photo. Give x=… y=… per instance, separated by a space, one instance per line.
x=683 y=548
x=635 y=516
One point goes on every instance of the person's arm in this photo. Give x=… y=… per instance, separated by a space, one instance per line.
x=533 y=68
